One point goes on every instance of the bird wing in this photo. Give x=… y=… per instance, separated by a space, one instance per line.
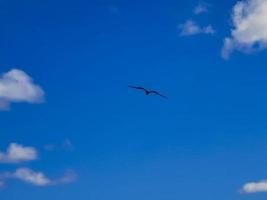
x=157 y=93
x=137 y=87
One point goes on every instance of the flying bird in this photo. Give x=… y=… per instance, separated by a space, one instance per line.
x=147 y=92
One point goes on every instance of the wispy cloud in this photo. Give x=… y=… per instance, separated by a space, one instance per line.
x=17 y=153
x=69 y=177
x=201 y=8
x=65 y=145
x=255 y=187
x=249 y=32
x=37 y=178
x=190 y=28
x=17 y=86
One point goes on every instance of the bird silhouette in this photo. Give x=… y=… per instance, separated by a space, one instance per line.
x=147 y=92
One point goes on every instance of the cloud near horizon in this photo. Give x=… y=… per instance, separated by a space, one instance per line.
x=249 y=32
x=17 y=86
x=17 y=153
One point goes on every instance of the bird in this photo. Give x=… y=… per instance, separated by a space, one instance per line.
x=147 y=91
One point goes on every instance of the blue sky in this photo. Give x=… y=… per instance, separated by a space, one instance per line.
x=72 y=129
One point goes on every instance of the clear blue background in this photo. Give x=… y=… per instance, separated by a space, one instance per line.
x=205 y=142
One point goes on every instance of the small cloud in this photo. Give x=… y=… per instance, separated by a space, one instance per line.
x=17 y=86
x=255 y=187
x=69 y=177
x=201 y=8
x=37 y=178
x=208 y=30
x=228 y=47
x=30 y=176
x=249 y=32
x=65 y=145
x=17 y=153
x=190 y=28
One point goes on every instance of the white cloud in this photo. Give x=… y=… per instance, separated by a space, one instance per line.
x=249 y=32
x=201 y=8
x=17 y=153
x=37 y=178
x=30 y=176
x=255 y=187
x=192 y=28
x=17 y=86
